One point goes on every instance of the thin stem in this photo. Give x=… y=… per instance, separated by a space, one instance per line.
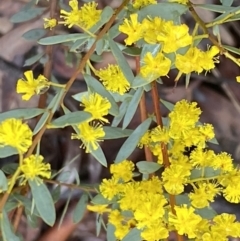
x=69 y=185
x=57 y=85
x=143 y=111
x=166 y=162
x=49 y=53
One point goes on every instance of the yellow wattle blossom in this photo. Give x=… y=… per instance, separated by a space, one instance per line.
x=49 y=23
x=207 y=131
x=238 y=79
x=31 y=86
x=73 y=17
x=188 y=62
x=185 y=221
x=155 y=66
x=174 y=37
x=203 y=194
x=16 y=134
x=85 y=17
x=109 y=188
x=113 y=79
x=208 y=59
x=231 y=183
x=195 y=60
x=159 y=134
x=155 y=231
x=153 y=185
x=130 y=191
x=122 y=224
x=184 y=117
x=96 y=105
x=152 y=28
x=122 y=170
x=224 y=162
x=202 y=158
x=143 y=3
x=174 y=177
x=226 y=225
x=98 y=208
x=89 y=135
x=132 y=28
x=89 y=15
x=232 y=193
x=33 y=167
x=151 y=210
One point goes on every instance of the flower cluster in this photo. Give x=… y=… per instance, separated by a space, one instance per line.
x=172 y=37
x=150 y=212
x=113 y=79
x=16 y=134
x=31 y=86
x=33 y=167
x=85 y=17
x=90 y=133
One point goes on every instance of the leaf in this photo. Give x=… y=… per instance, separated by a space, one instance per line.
x=27 y=14
x=121 y=60
x=63 y=214
x=33 y=59
x=95 y=85
x=11 y=205
x=208 y=172
x=187 y=79
x=10 y=168
x=3 y=182
x=99 y=155
x=130 y=144
x=115 y=133
x=133 y=235
x=100 y=200
x=232 y=49
x=26 y=202
x=139 y=81
x=32 y=220
x=167 y=104
x=167 y=11
x=56 y=192
x=110 y=232
x=21 y=113
x=6 y=229
x=7 y=151
x=44 y=202
x=80 y=208
x=41 y=122
x=223 y=16
x=62 y=38
x=98 y=224
x=122 y=110
x=207 y=213
x=34 y=34
x=132 y=51
x=227 y=3
x=214 y=7
x=146 y=167
x=100 y=46
x=72 y=118
x=132 y=107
